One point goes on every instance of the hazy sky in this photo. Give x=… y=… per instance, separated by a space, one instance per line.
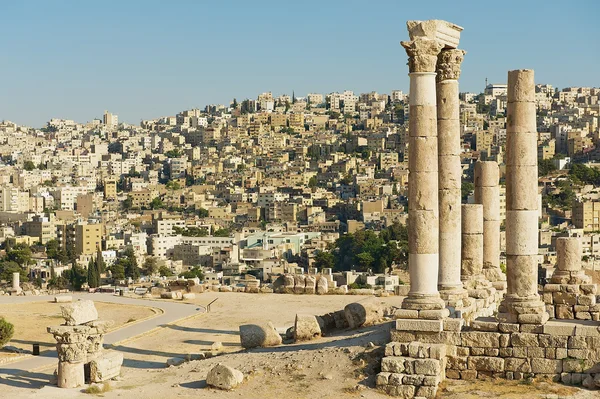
x=145 y=59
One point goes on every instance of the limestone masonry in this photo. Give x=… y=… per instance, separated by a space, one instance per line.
x=480 y=323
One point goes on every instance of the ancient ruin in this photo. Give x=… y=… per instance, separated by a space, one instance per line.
x=444 y=334
x=81 y=355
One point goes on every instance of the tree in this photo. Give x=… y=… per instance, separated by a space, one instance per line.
x=150 y=266
x=131 y=268
x=324 y=260
x=157 y=203
x=117 y=270
x=365 y=260
x=221 y=233
x=76 y=276
x=173 y=185
x=466 y=188
x=7 y=268
x=28 y=165
x=202 y=213
x=19 y=253
x=100 y=265
x=545 y=166
x=127 y=203
x=93 y=275
x=193 y=273
x=6 y=331
x=312 y=182
x=164 y=271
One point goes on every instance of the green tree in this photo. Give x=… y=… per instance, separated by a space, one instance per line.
x=20 y=253
x=202 y=213
x=7 y=268
x=93 y=275
x=365 y=260
x=221 y=233
x=6 y=332
x=150 y=266
x=77 y=276
x=131 y=268
x=127 y=203
x=157 y=203
x=164 y=271
x=545 y=167
x=324 y=260
x=173 y=185
x=193 y=273
x=117 y=270
x=312 y=182
x=466 y=188
x=100 y=264
x=28 y=165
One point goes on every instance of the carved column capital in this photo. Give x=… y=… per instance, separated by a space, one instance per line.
x=448 y=64
x=422 y=54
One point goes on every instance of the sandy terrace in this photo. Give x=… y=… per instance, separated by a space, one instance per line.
x=31 y=319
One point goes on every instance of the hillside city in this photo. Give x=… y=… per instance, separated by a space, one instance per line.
x=260 y=187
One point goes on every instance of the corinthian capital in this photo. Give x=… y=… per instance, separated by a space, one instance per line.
x=422 y=54
x=448 y=64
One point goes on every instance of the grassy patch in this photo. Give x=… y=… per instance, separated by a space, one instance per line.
x=98 y=389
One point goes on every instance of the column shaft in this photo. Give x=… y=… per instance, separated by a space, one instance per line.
x=522 y=302
x=423 y=216
x=450 y=174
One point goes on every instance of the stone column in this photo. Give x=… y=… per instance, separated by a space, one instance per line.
x=423 y=213
x=487 y=193
x=16 y=282
x=450 y=174
x=472 y=244
x=522 y=302
x=568 y=266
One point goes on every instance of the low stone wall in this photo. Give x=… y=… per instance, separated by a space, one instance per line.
x=571 y=301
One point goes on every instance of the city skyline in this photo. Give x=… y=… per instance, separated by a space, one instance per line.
x=71 y=60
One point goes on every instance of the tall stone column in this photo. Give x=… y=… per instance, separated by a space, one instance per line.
x=423 y=213
x=450 y=174
x=522 y=302
x=487 y=193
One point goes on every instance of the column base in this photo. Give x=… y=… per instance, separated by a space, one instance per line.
x=423 y=302
x=453 y=296
x=570 y=277
x=523 y=310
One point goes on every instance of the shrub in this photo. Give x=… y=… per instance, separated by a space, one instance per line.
x=6 y=332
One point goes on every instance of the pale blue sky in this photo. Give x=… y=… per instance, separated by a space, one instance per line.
x=146 y=58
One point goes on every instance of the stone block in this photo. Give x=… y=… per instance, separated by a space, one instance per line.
x=224 y=377
x=588 y=288
x=484 y=363
x=453 y=374
x=436 y=314
x=468 y=375
x=583 y=316
x=584 y=330
x=572 y=366
x=524 y=339
x=382 y=378
x=63 y=299
x=532 y=328
x=533 y=351
x=451 y=324
x=259 y=335
x=581 y=354
x=393 y=364
x=508 y=327
x=561 y=353
x=406 y=314
x=306 y=328
x=586 y=300
x=364 y=313
x=559 y=328
x=427 y=367
x=517 y=364
x=79 y=312
x=426 y=392
x=106 y=367
x=520 y=351
x=505 y=352
x=401 y=391
x=552 y=341
x=71 y=375
x=481 y=339
x=564 y=312
x=546 y=366
x=419 y=325
x=485 y=324
x=564 y=298
x=396 y=379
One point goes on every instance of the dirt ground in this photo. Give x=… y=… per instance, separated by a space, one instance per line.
x=338 y=366
x=31 y=319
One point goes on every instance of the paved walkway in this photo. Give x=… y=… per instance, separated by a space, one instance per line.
x=172 y=311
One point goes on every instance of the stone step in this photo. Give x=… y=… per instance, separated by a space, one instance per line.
x=416 y=350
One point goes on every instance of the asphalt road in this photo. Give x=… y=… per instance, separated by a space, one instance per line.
x=172 y=311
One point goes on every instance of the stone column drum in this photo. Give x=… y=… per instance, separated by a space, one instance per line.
x=568 y=265
x=423 y=214
x=16 y=282
x=487 y=193
x=522 y=302
x=472 y=244
x=450 y=174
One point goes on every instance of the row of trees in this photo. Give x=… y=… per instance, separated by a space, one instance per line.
x=364 y=250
